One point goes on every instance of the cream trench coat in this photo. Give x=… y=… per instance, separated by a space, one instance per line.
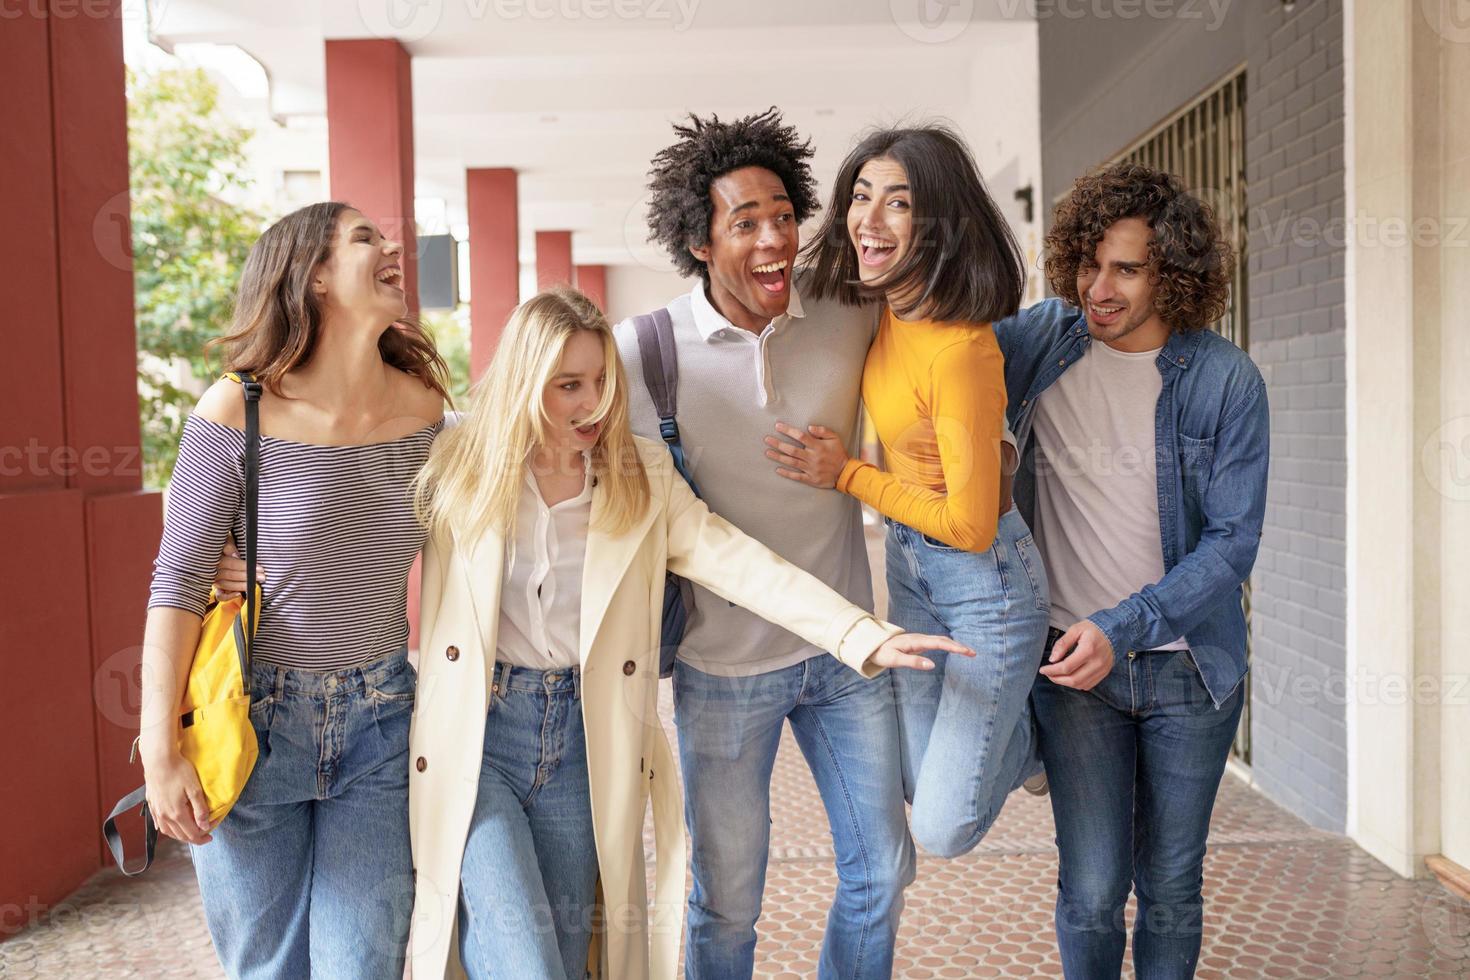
x=629 y=760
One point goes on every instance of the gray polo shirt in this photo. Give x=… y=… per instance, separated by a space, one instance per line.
x=805 y=368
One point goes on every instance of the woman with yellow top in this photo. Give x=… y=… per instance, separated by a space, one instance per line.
x=922 y=234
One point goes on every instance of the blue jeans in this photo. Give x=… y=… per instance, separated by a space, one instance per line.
x=968 y=733
x=729 y=729
x=529 y=876
x=1134 y=766
x=310 y=873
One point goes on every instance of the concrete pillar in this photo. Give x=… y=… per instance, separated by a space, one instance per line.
x=1408 y=433
x=553 y=259
x=79 y=535
x=370 y=140
x=495 y=265
x=592 y=280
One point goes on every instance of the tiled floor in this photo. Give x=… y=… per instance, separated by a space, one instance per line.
x=1283 y=900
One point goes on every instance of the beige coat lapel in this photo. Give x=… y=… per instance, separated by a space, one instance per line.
x=606 y=561
x=482 y=564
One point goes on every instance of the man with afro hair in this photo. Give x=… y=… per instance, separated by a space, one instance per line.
x=727 y=199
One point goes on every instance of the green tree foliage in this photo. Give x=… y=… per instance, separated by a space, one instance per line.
x=187 y=160
x=451 y=335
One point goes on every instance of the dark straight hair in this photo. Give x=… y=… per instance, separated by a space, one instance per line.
x=278 y=318
x=964 y=263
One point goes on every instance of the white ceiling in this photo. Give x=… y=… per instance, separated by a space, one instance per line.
x=577 y=95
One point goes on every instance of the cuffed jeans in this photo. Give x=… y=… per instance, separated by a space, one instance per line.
x=309 y=874
x=729 y=730
x=529 y=876
x=967 y=727
x=1134 y=766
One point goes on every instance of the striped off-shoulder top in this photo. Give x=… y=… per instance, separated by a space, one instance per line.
x=337 y=537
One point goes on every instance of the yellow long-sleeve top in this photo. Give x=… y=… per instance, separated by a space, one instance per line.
x=936 y=394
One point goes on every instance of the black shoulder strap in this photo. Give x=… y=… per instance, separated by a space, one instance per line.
x=252 y=391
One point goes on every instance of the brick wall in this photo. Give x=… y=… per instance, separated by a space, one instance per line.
x=1105 y=82
x=1294 y=166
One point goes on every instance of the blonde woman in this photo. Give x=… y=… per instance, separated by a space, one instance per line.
x=536 y=741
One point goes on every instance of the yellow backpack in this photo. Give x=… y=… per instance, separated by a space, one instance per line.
x=214 y=717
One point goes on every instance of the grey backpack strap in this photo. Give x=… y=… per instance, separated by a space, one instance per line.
x=660 y=362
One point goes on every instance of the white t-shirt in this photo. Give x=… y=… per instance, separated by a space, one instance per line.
x=1097 y=506
x=541 y=591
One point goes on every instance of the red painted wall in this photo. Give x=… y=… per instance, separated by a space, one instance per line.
x=495 y=262
x=30 y=399
x=592 y=280
x=370 y=140
x=553 y=259
x=48 y=760
x=78 y=534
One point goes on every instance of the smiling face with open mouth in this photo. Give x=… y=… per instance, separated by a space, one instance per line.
x=752 y=247
x=574 y=394
x=880 y=219
x=363 y=275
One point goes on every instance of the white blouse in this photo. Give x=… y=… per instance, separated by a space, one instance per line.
x=541 y=598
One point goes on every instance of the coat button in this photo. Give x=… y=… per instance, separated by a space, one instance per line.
x=421 y=764
x=629 y=667
x=452 y=653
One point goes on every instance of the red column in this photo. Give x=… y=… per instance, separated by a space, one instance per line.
x=78 y=533
x=370 y=139
x=592 y=280
x=495 y=263
x=553 y=259
x=370 y=152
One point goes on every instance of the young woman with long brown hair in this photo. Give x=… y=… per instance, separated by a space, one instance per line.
x=310 y=873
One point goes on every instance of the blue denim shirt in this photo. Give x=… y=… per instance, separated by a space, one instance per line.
x=1212 y=436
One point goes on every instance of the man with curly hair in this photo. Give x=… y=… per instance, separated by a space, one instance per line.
x=727 y=198
x=1144 y=445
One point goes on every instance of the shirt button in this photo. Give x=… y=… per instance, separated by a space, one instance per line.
x=629 y=667
x=452 y=653
x=421 y=764
x=1062 y=362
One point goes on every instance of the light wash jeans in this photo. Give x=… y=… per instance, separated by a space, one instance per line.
x=528 y=881
x=1134 y=766
x=729 y=729
x=967 y=728
x=309 y=874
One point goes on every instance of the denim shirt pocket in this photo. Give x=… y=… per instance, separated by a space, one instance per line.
x=1196 y=460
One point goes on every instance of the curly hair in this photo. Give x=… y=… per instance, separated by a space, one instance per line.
x=680 y=207
x=1190 y=263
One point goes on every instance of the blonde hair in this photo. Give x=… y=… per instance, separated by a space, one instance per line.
x=473 y=478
